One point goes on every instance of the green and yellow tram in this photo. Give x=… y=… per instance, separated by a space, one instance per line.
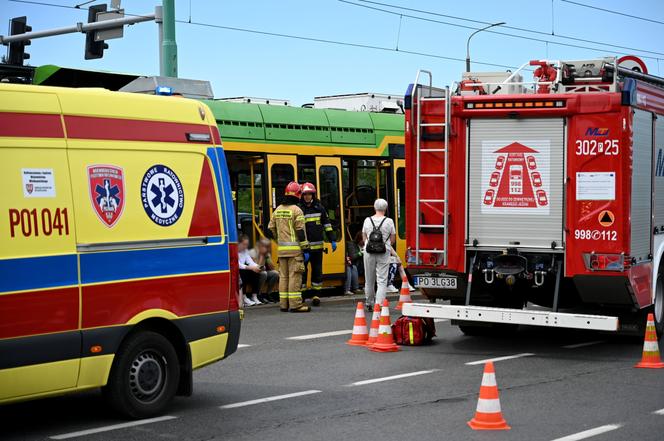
x=352 y=158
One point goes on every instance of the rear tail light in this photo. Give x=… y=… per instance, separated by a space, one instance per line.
x=234 y=303
x=604 y=262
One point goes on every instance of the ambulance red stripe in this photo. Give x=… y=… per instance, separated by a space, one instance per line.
x=118 y=129
x=116 y=303
x=30 y=125
x=51 y=310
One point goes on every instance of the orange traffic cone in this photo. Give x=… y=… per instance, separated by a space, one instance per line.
x=375 y=323
x=650 y=358
x=385 y=340
x=404 y=294
x=488 y=415
x=360 y=336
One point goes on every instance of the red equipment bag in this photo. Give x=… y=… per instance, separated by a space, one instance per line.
x=413 y=331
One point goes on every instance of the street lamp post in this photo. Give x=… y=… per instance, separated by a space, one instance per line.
x=471 y=36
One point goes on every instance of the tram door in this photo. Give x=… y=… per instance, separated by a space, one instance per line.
x=281 y=169
x=328 y=183
x=399 y=205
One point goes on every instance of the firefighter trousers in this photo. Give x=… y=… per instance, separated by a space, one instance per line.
x=316 y=262
x=290 y=282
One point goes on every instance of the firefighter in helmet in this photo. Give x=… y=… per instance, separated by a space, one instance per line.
x=318 y=228
x=287 y=229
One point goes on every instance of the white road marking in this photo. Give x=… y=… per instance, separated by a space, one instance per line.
x=268 y=399
x=506 y=357
x=113 y=427
x=390 y=378
x=581 y=345
x=440 y=320
x=321 y=335
x=240 y=346
x=590 y=433
x=659 y=412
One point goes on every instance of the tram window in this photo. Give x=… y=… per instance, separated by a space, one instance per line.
x=306 y=169
x=329 y=196
x=247 y=211
x=282 y=174
x=401 y=202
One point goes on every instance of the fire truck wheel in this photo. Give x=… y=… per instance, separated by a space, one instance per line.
x=658 y=307
x=475 y=331
x=144 y=377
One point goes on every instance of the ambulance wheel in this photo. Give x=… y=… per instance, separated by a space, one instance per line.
x=144 y=377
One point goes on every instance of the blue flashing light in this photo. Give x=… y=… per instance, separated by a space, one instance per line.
x=163 y=90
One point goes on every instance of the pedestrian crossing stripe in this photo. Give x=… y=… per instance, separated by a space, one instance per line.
x=606 y=218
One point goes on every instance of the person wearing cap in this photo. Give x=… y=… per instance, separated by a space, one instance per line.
x=287 y=229
x=319 y=229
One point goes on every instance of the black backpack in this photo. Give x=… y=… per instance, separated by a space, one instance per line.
x=376 y=244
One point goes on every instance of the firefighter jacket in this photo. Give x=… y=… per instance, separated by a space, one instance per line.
x=287 y=228
x=318 y=224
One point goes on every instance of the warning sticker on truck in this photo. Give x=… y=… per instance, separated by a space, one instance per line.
x=515 y=177
x=595 y=186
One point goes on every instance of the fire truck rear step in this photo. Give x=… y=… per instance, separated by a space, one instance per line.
x=512 y=316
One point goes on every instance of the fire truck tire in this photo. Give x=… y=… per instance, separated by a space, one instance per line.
x=475 y=331
x=144 y=377
x=658 y=307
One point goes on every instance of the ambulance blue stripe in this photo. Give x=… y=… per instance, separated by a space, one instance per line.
x=218 y=158
x=121 y=265
x=38 y=272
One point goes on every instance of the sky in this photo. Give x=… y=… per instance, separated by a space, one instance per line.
x=240 y=63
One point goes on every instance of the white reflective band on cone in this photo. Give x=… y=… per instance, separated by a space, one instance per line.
x=650 y=346
x=359 y=313
x=385 y=310
x=488 y=406
x=384 y=329
x=489 y=379
x=373 y=332
x=359 y=330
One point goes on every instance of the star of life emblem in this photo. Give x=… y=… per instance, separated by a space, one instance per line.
x=162 y=195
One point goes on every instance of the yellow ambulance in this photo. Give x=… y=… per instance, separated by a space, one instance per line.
x=118 y=259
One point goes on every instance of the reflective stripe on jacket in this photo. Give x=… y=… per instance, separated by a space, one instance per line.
x=317 y=224
x=287 y=227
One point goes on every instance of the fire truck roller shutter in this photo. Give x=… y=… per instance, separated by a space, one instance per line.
x=516 y=182
x=641 y=197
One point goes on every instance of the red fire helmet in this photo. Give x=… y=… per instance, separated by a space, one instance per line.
x=308 y=187
x=293 y=189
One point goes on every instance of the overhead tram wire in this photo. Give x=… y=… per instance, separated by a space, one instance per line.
x=609 y=11
x=292 y=36
x=516 y=28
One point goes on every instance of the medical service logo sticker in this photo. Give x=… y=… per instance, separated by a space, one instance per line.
x=162 y=195
x=515 y=177
x=106 y=184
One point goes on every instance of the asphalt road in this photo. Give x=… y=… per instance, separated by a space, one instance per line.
x=570 y=383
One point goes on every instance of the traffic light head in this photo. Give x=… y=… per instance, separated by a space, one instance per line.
x=94 y=49
x=16 y=53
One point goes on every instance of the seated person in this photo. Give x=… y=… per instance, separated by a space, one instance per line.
x=268 y=278
x=249 y=272
x=353 y=261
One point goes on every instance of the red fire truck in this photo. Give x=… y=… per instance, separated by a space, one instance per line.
x=538 y=203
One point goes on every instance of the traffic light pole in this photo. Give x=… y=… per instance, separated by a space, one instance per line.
x=78 y=27
x=168 y=48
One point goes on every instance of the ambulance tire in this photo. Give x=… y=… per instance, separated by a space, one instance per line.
x=144 y=377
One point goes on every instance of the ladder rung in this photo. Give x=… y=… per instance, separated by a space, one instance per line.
x=432 y=226
x=432 y=150
x=433 y=201
x=433 y=251
x=433 y=124
x=432 y=175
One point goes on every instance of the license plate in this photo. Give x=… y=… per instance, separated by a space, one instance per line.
x=435 y=282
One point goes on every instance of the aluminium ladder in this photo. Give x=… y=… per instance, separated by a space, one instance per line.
x=420 y=127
